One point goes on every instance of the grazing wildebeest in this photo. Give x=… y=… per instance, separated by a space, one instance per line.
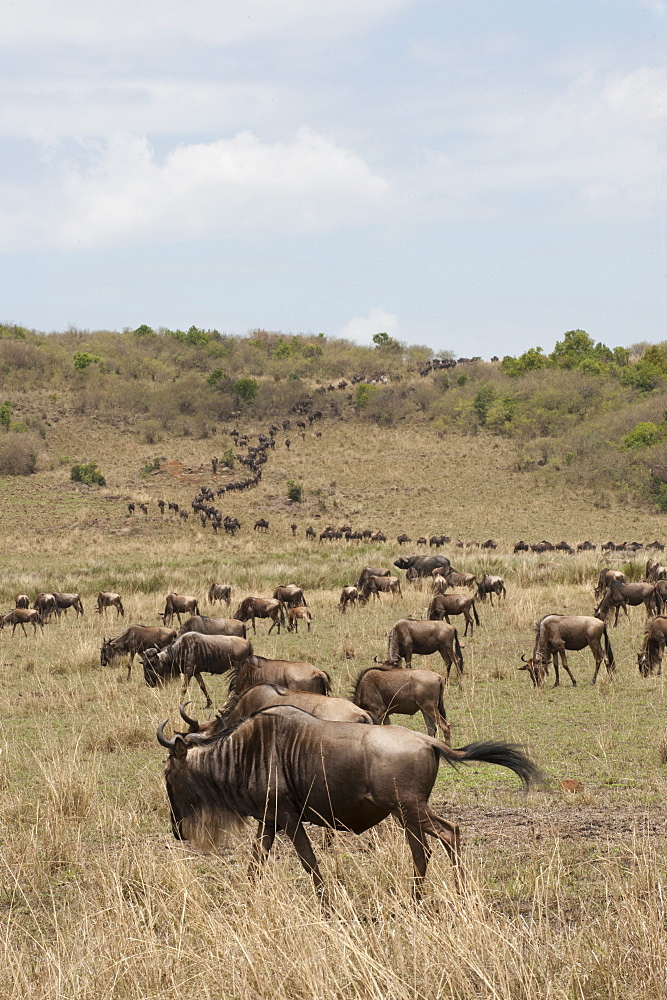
x=261 y=607
x=178 y=604
x=443 y=605
x=438 y=541
x=403 y=539
x=67 y=601
x=522 y=546
x=263 y=695
x=213 y=626
x=220 y=592
x=290 y=596
x=384 y=691
x=47 y=605
x=456 y=579
x=556 y=633
x=422 y=541
x=261 y=525
x=439 y=584
x=291 y=674
x=564 y=547
x=489 y=544
x=22 y=601
x=135 y=639
x=295 y=615
x=333 y=774
x=649 y=658
x=424 y=565
x=379 y=584
x=294 y=526
x=491 y=585
x=310 y=532
x=22 y=617
x=107 y=599
x=606 y=577
x=190 y=655
x=585 y=547
x=370 y=571
x=349 y=595
x=410 y=636
x=619 y=595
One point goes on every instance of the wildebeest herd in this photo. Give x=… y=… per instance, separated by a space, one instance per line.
x=284 y=752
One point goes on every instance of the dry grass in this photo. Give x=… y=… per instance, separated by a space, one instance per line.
x=566 y=893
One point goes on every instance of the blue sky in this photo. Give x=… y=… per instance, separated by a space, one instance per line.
x=479 y=176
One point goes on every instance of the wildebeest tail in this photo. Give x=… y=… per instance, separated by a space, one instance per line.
x=458 y=650
x=657 y=597
x=507 y=755
x=326 y=684
x=474 y=611
x=609 y=653
x=441 y=705
x=282 y=614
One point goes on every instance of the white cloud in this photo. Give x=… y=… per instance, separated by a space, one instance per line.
x=362 y=328
x=198 y=190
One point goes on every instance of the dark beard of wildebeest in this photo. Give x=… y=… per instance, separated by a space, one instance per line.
x=444 y=605
x=619 y=595
x=106 y=599
x=384 y=691
x=370 y=571
x=290 y=596
x=193 y=654
x=556 y=633
x=422 y=565
x=135 y=639
x=283 y=768
x=649 y=658
x=261 y=607
x=213 y=626
x=409 y=636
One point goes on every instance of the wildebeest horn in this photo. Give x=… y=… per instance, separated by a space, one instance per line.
x=186 y=718
x=523 y=658
x=161 y=738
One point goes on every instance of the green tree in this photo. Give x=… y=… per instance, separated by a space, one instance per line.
x=83 y=358
x=484 y=397
x=216 y=376
x=144 y=331
x=6 y=415
x=294 y=491
x=531 y=360
x=363 y=394
x=643 y=435
x=246 y=389
x=88 y=474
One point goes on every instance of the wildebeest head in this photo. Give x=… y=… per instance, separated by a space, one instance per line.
x=537 y=666
x=107 y=652
x=157 y=666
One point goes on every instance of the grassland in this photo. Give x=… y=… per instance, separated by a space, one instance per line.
x=566 y=893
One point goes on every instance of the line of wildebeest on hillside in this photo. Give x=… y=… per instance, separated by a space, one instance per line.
x=276 y=751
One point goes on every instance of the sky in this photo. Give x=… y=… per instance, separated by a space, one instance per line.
x=474 y=175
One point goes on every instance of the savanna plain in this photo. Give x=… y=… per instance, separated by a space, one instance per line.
x=566 y=893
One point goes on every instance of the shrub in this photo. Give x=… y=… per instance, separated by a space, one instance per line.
x=18 y=454
x=246 y=389
x=151 y=466
x=294 y=491
x=88 y=474
x=643 y=435
x=6 y=414
x=228 y=459
x=363 y=394
x=83 y=358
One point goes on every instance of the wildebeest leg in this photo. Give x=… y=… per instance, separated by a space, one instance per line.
x=24 y=631
x=596 y=650
x=421 y=852
x=293 y=827
x=200 y=680
x=563 y=660
x=264 y=838
x=449 y=836
x=555 y=662
x=429 y=722
x=129 y=666
x=275 y=622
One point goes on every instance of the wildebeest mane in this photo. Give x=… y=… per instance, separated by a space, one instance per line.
x=360 y=676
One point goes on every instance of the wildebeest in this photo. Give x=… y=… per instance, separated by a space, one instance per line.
x=332 y=774
x=179 y=604
x=213 y=626
x=491 y=585
x=438 y=541
x=456 y=579
x=292 y=674
x=295 y=615
x=606 y=577
x=261 y=607
x=649 y=658
x=423 y=565
x=619 y=595
x=193 y=653
x=261 y=525
x=47 y=605
x=374 y=585
x=22 y=617
x=443 y=605
x=22 y=601
x=263 y=695
x=556 y=633
x=439 y=584
x=67 y=601
x=404 y=539
x=585 y=547
x=349 y=595
x=107 y=599
x=410 y=636
x=384 y=691
x=220 y=592
x=290 y=596
x=522 y=546
x=370 y=571
x=135 y=639
x=310 y=532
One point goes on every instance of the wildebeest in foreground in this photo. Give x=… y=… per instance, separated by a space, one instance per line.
x=213 y=626
x=556 y=633
x=194 y=653
x=443 y=605
x=491 y=585
x=22 y=617
x=67 y=601
x=178 y=604
x=135 y=639
x=220 y=592
x=649 y=658
x=619 y=595
x=107 y=599
x=261 y=607
x=409 y=636
x=332 y=774
x=384 y=691
x=349 y=595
